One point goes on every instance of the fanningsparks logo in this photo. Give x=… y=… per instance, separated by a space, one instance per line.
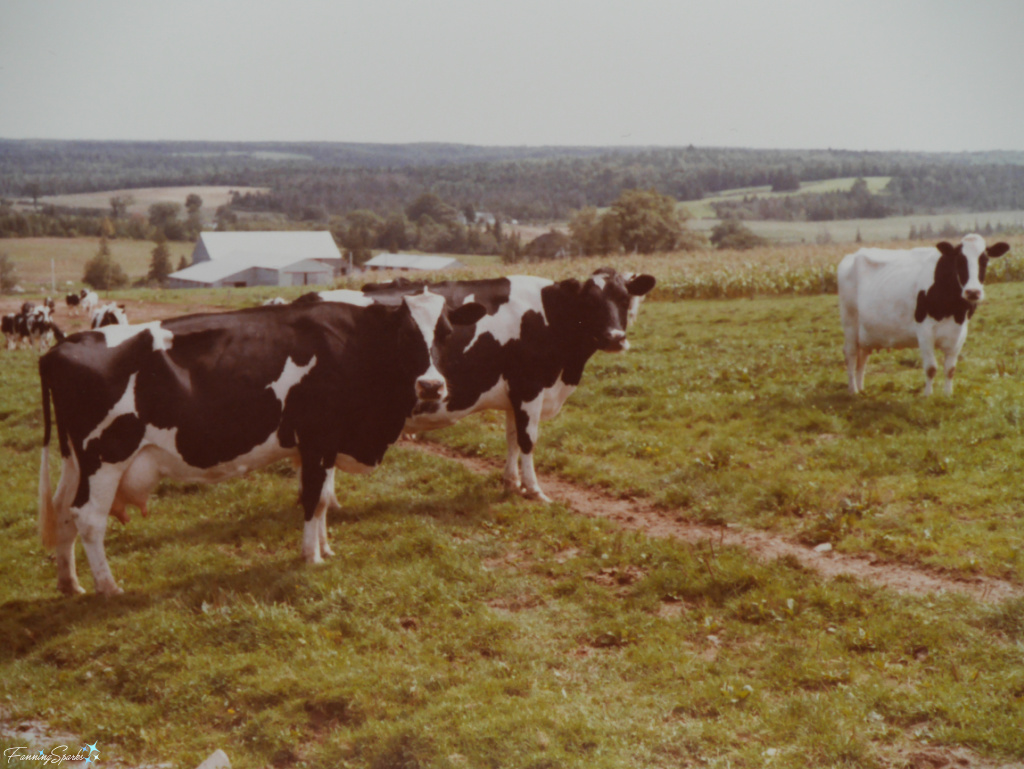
x=86 y=755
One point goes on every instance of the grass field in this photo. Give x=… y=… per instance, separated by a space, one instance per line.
x=458 y=626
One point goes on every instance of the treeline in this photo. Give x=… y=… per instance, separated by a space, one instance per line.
x=312 y=182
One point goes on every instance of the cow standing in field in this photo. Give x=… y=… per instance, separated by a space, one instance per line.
x=211 y=397
x=73 y=301
x=892 y=299
x=88 y=302
x=526 y=356
x=32 y=325
x=109 y=314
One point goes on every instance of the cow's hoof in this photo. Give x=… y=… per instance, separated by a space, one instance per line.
x=110 y=590
x=70 y=588
x=537 y=495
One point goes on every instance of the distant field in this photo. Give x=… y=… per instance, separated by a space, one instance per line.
x=891 y=228
x=32 y=258
x=213 y=197
x=701 y=209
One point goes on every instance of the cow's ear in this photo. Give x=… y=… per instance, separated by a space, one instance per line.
x=639 y=285
x=946 y=248
x=467 y=314
x=997 y=249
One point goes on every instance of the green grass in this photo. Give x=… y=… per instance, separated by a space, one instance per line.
x=458 y=626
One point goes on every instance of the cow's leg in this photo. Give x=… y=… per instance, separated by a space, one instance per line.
x=862 y=365
x=930 y=364
x=315 y=498
x=91 y=522
x=67 y=533
x=854 y=370
x=950 y=357
x=511 y=476
x=527 y=429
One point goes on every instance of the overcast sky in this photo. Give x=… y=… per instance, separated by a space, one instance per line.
x=934 y=75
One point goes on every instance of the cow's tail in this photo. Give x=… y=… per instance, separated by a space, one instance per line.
x=47 y=513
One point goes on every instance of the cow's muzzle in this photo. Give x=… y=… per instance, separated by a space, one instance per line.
x=615 y=341
x=973 y=295
x=430 y=389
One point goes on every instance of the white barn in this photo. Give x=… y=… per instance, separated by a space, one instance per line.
x=412 y=262
x=260 y=259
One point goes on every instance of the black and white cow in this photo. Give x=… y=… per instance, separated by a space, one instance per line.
x=901 y=298
x=109 y=314
x=40 y=328
x=72 y=301
x=527 y=355
x=9 y=326
x=32 y=325
x=211 y=397
x=88 y=301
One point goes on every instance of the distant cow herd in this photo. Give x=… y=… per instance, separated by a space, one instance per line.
x=334 y=378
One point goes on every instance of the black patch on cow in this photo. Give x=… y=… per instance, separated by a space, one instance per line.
x=944 y=299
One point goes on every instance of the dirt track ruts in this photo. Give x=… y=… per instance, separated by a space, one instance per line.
x=638 y=515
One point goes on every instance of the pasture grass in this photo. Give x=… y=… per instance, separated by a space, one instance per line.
x=457 y=626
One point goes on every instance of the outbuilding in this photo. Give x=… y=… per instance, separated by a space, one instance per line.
x=260 y=259
x=419 y=262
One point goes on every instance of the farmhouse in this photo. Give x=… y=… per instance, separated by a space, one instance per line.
x=260 y=259
x=412 y=262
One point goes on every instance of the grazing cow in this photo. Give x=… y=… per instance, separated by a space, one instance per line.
x=211 y=397
x=88 y=302
x=9 y=325
x=893 y=299
x=72 y=301
x=40 y=329
x=50 y=304
x=109 y=314
x=32 y=325
x=527 y=355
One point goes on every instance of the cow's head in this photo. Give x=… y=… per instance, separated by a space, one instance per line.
x=431 y=325
x=964 y=265
x=607 y=306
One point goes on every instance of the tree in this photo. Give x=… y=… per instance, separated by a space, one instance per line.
x=163 y=218
x=647 y=221
x=8 y=273
x=160 y=263
x=732 y=233
x=193 y=203
x=102 y=271
x=119 y=206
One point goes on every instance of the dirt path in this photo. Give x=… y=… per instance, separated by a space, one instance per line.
x=638 y=515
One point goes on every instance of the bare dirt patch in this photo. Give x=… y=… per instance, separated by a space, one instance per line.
x=637 y=515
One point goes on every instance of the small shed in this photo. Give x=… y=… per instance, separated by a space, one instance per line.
x=260 y=259
x=420 y=262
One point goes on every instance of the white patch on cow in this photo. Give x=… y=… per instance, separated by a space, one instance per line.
x=125 y=405
x=290 y=376
x=426 y=309
x=346 y=296
x=973 y=246
x=469 y=299
x=117 y=335
x=555 y=397
x=506 y=324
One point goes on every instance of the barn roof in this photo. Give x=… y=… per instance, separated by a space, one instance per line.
x=412 y=262
x=219 y=255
